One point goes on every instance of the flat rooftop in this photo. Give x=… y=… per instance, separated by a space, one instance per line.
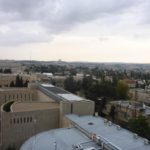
x=33 y=106
x=61 y=94
x=121 y=138
x=60 y=139
x=54 y=89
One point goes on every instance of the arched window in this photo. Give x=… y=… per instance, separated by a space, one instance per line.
x=30 y=119
x=18 y=120
x=27 y=119
x=24 y=120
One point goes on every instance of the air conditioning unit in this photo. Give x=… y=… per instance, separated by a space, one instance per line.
x=96 y=114
x=77 y=147
x=118 y=127
x=105 y=120
x=109 y=123
x=98 y=138
x=146 y=141
x=135 y=136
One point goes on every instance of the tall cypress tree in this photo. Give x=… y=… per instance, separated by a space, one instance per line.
x=17 y=84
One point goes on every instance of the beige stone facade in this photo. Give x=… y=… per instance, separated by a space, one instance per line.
x=5 y=79
x=17 y=94
x=18 y=126
x=35 y=110
x=80 y=108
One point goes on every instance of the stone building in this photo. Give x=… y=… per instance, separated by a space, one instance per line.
x=141 y=95
x=40 y=107
x=126 y=110
x=6 y=79
x=26 y=119
x=17 y=94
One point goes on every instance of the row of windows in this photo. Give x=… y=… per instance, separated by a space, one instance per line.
x=21 y=120
x=19 y=96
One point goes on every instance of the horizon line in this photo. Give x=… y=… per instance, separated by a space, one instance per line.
x=77 y=61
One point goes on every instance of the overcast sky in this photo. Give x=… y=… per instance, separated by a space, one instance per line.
x=75 y=30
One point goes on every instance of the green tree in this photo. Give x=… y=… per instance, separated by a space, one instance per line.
x=11 y=148
x=87 y=82
x=100 y=105
x=140 y=126
x=12 y=84
x=20 y=82
x=70 y=84
x=17 y=84
x=7 y=71
x=122 y=90
x=26 y=83
x=1 y=70
x=112 y=112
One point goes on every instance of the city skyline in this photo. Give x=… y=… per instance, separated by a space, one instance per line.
x=87 y=30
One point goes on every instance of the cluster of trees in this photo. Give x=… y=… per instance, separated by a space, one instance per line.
x=94 y=89
x=19 y=82
x=101 y=92
x=98 y=91
x=47 y=68
x=140 y=126
x=11 y=148
x=120 y=74
x=140 y=75
x=100 y=73
x=71 y=85
x=6 y=71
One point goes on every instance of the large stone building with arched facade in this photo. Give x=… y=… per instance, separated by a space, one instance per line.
x=40 y=107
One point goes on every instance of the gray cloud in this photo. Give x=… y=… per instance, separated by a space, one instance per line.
x=14 y=38
x=53 y=16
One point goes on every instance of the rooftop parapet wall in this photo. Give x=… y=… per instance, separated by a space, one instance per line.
x=49 y=93
x=59 y=94
x=33 y=106
x=17 y=94
x=83 y=108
